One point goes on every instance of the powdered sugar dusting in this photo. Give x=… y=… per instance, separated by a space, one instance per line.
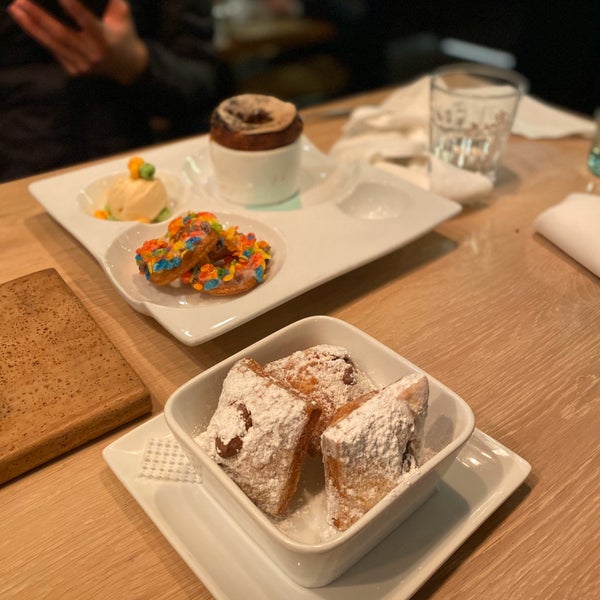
x=325 y=371
x=278 y=417
x=367 y=452
x=327 y=374
x=305 y=521
x=373 y=436
x=263 y=415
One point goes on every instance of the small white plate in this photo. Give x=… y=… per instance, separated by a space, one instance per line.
x=483 y=476
x=340 y=220
x=119 y=264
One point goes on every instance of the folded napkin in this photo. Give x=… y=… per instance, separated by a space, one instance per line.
x=574 y=226
x=536 y=120
x=394 y=136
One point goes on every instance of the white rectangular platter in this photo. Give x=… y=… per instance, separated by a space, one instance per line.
x=342 y=218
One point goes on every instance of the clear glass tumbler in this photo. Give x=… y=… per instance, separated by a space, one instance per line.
x=472 y=109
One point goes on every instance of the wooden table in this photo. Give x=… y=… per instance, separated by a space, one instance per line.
x=482 y=303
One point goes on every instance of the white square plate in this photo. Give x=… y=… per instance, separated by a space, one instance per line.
x=481 y=478
x=341 y=219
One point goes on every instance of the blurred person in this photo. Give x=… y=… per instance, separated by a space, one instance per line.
x=71 y=94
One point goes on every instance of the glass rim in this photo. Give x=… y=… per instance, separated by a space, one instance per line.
x=519 y=82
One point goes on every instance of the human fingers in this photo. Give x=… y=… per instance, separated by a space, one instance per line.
x=43 y=28
x=117 y=14
x=127 y=55
x=91 y=39
x=86 y=20
x=62 y=41
x=37 y=22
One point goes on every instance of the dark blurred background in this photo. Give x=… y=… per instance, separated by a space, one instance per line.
x=310 y=51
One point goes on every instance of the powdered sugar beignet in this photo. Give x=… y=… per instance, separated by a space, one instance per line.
x=370 y=444
x=326 y=374
x=259 y=434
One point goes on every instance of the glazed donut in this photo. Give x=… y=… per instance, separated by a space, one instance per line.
x=237 y=267
x=255 y=122
x=189 y=240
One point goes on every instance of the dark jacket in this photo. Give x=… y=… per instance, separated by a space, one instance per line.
x=49 y=120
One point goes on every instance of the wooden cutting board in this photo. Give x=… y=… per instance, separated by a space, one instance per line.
x=62 y=381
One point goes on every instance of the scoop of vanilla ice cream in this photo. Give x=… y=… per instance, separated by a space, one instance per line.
x=134 y=199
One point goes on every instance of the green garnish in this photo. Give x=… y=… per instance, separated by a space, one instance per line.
x=163 y=215
x=147 y=171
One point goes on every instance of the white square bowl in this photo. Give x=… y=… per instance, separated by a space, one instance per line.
x=449 y=425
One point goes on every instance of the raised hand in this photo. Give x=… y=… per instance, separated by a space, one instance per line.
x=107 y=47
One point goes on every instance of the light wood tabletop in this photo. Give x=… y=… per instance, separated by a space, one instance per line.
x=482 y=303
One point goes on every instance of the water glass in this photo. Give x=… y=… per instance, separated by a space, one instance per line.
x=594 y=154
x=471 y=114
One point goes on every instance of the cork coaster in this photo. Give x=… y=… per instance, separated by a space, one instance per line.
x=62 y=381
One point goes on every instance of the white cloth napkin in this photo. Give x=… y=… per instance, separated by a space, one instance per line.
x=574 y=226
x=394 y=136
x=536 y=120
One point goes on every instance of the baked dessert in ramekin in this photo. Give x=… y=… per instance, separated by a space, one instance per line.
x=255 y=149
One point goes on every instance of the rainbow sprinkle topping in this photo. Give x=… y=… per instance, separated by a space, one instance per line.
x=156 y=256
x=238 y=261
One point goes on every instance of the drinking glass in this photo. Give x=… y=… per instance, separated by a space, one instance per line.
x=594 y=154
x=472 y=109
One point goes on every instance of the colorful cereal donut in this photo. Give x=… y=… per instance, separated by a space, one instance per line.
x=237 y=267
x=190 y=238
x=191 y=224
